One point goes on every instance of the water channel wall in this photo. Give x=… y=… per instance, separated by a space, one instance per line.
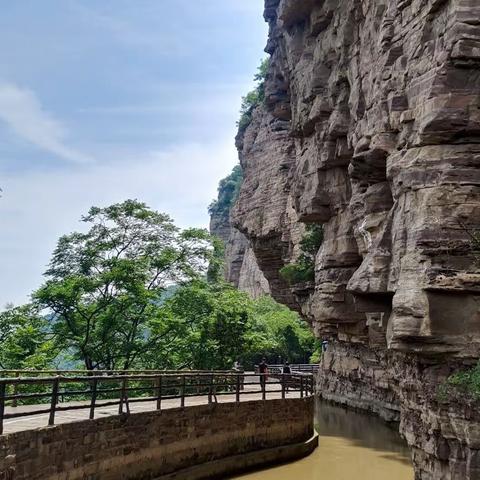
x=205 y=441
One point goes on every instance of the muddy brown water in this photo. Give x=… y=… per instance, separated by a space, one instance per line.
x=353 y=446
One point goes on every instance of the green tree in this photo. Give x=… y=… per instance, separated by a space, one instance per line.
x=280 y=333
x=220 y=324
x=25 y=340
x=216 y=319
x=104 y=287
x=216 y=267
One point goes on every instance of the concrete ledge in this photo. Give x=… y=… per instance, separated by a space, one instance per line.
x=245 y=462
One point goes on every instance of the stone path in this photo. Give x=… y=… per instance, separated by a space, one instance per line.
x=38 y=421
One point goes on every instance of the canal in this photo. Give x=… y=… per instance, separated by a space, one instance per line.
x=353 y=446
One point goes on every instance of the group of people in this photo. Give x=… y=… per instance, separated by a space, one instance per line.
x=263 y=371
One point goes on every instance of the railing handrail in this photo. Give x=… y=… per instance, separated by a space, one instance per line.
x=19 y=380
x=294 y=367
x=297 y=365
x=7 y=371
x=175 y=385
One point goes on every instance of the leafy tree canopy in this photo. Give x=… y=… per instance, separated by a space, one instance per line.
x=103 y=286
x=280 y=334
x=24 y=339
x=224 y=325
x=132 y=291
x=215 y=320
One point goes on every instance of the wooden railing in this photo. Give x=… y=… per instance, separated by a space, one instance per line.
x=295 y=368
x=93 y=391
x=90 y=373
x=38 y=373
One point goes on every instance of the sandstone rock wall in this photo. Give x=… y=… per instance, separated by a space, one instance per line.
x=241 y=267
x=371 y=127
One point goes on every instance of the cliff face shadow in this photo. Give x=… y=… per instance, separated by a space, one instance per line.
x=362 y=430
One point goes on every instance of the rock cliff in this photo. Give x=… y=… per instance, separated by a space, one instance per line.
x=371 y=127
x=241 y=268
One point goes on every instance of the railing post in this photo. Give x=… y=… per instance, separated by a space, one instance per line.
x=3 y=388
x=210 y=387
x=93 y=399
x=237 y=397
x=184 y=378
x=210 y=390
x=53 y=403
x=301 y=386
x=263 y=382
x=159 y=392
x=126 y=395
x=283 y=386
x=120 y=404
x=123 y=398
x=15 y=390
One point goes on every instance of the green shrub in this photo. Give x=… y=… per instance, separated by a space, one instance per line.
x=466 y=382
x=298 y=273
x=317 y=354
x=254 y=98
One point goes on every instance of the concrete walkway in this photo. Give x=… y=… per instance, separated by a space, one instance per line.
x=38 y=421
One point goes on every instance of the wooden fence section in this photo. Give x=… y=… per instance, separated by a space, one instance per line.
x=51 y=394
x=76 y=373
x=295 y=368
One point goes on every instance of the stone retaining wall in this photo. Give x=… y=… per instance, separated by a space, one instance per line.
x=146 y=446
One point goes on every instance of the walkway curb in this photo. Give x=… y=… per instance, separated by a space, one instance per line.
x=238 y=464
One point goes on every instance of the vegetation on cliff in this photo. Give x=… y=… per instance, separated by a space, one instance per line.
x=228 y=190
x=465 y=383
x=132 y=291
x=304 y=269
x=255 y=97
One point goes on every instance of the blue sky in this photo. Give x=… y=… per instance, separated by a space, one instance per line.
x=106 y=100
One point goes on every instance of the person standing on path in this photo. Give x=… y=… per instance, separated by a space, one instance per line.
x=263 y=371
x=286 y=375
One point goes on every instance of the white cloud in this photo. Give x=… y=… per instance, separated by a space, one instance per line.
x=22 y=112
x=37 y=208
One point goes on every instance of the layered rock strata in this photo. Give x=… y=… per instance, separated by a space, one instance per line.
x=241 y=267
x=371 y=127
x=442 y=432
